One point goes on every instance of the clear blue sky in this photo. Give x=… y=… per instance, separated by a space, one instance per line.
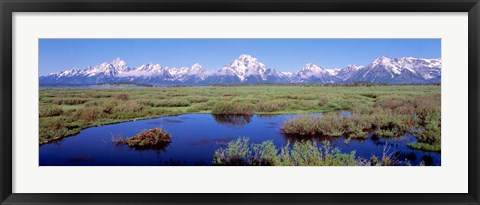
x=282 y=54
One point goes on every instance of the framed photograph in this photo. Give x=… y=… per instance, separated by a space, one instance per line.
x=242 y=102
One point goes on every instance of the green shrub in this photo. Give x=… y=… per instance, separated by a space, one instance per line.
x=233 y=109
x=236 y=153
x=264 y=154
x=334 y=156
x=152 y=138
x=302 y=125
x=331 y=124
x=430 y=136
x=304 y=153
x=429 y=119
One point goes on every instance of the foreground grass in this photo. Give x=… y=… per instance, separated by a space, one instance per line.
x=65 y=112
x=240 y=152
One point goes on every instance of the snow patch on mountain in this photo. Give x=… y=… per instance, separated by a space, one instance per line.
x=333 y=71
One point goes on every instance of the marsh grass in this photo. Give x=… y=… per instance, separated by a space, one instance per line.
x=50 y=111
x=64 y=112
x=69 y=101
x=387 y=116
x=330 y=124
x=241 y=152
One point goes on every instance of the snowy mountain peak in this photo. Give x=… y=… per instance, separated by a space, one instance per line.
x=71 y=72
x=196 y=67
x=118 y=62
x=146 y=70
x=397 y=70
x=246 y=60
x=245 y=66
x=408 y=58
x=111 y=68
x=178 y=73
x=311 y=73
x=382 y=60
x=150 y=67
x=246 y=57
x=334 y=71
x=310 y=67
x=248 y=69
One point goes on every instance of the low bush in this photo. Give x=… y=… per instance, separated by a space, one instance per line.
x=264 y=154
x=151 y=138
x=430 y=136
x=302 y=125
x=237 y=153
x=430 y=121
x=223 y=108
x=240 y=152
x=331 y=124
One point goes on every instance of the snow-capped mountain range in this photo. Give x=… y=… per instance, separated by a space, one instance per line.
x=247 y=69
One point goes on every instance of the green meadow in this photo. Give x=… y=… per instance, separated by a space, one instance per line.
x=384 y=110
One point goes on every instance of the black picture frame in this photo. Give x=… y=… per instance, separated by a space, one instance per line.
x=7 y=7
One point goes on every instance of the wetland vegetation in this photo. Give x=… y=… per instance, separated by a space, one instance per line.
x=381 y=111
